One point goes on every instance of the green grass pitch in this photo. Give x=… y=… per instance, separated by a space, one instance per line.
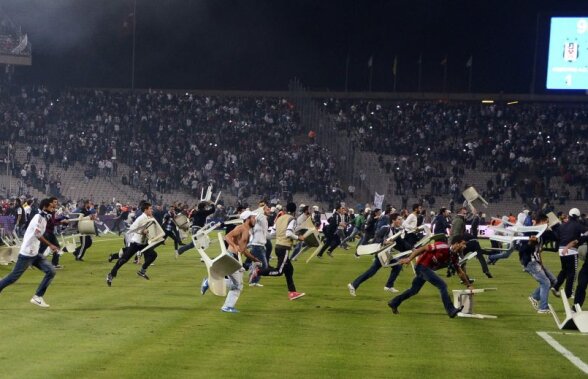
x=164 y=328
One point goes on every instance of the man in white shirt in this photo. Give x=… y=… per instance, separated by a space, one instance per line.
x=410 y=225
x=259 y=237
x=137 y=241
x=29 y=254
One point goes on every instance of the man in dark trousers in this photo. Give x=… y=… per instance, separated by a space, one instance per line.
x=285 y=236
x=85 y=240
x=458 y=228
x=198 y=220
x=433 y=257
x=336 y=221
x=169 y=227
x=401 y=245
x=137 y=241
x=567 y=232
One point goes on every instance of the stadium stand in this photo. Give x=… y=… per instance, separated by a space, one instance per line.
x=167 y=146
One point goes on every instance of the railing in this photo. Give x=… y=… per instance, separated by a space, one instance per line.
x=316 y=120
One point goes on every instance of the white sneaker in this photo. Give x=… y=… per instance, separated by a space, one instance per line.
x=38 y=300
x=543 y=311
x=255 y=285
x=391 y=289
x=351 y=289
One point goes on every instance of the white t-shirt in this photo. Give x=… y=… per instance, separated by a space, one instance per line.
x=30 y=242
x=410 y=224
x=260 y=230
x=139 y=237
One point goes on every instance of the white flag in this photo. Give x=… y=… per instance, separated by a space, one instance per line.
x=371 y=61
x=378 y=200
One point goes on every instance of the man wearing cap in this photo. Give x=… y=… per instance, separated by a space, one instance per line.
x=237 y=240
x=568 y=232
x=316 y=217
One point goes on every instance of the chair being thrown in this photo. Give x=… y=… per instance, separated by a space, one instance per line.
x=219 y=267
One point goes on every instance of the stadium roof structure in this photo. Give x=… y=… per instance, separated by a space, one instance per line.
x=15 y=47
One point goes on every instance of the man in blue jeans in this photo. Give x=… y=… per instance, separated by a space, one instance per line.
x=530 y=256
x=401 y=245
x=30 y=254
x=433 y=257
x=259 y=239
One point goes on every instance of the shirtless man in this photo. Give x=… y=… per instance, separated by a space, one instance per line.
x=237 y=240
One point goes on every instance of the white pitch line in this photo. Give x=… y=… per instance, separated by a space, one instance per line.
x=565 y=352
x=569 y=334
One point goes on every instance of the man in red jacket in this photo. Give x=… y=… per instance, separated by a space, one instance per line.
x=433 y=257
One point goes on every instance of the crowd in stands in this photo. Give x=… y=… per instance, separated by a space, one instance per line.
x=170 y=141
x=251 y=145
x=526 y=146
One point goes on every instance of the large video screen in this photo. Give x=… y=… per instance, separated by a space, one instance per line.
x=567 y=64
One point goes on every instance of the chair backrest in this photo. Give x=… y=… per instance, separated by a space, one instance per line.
x=473 y=198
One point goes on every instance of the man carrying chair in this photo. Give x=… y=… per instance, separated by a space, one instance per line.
x=237 y=240
x=433 y=257
x=138 y=240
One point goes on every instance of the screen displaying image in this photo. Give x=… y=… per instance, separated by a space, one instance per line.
x=567 y=64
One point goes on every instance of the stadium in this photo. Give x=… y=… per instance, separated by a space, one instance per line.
x=160 y=163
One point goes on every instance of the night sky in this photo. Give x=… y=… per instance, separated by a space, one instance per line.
x=261 y=44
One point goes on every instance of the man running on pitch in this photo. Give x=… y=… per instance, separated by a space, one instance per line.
x=237 y=240
x=30 y=254
x=433 y=257
x=285 y=236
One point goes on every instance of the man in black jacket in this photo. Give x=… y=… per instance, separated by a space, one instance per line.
x=568 y=232
x=198 y=220
x=401 y=245
x=336 y=221
x=85 y=240
x=440 y=222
